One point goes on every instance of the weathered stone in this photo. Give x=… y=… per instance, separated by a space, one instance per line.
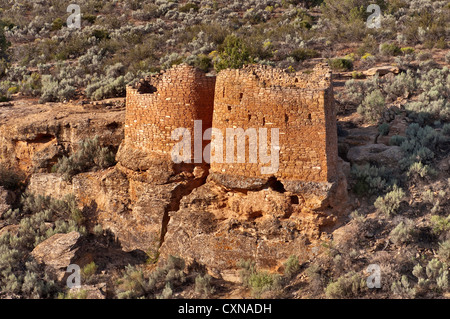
x=397 y=127
x=360 y=136
x=33 y=138
x=47 y=184
x=444 y=164
x=198 y=235
x=58 y=252
x=382 y=70
x=375 y=153
x=11 y=229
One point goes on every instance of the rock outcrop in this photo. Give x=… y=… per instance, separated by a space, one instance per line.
x=33 y=137
x=375 y=153
x=58 y=252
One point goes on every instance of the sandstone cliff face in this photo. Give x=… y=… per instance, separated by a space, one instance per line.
x=200 y=219
x=34 y=136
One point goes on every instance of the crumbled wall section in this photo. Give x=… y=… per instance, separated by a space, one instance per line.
x=300 y=105
x=169 y=100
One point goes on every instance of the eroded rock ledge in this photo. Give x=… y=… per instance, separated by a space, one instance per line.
x=198 y=218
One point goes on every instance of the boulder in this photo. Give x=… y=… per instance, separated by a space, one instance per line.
x=444 y=164
x=360 y=136
x=375 y=154
x=12 y=229
x=382 y=70
x=397 y=127
x=58 y=252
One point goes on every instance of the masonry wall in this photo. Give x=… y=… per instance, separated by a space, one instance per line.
x=172 y=99
x=300 y=105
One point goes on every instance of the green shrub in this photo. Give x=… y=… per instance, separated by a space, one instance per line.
x=203 y=285
x=440 y=225
x=356 y=91
x=90 y=155
x=446 y=129
x=397 y=140
x=304 y=54
x=390 y=203
x=346 y=19
x=357 y=75
x=54 y=90
x=419 y=171
x=261 y=282
x=13 y=90
x=89 y=271
x=134 y=284
x=57 y=24
x=407 y=50
x=402 y=85
x=89 y=18
x=100 y=34
x=437 y=274
x=167 y=292
x=347 y=286
x=78 y=294
x=202 y=62
x=371 y=179
x=444 y=251
x=40 y=218
x=384 y=129
x=188 y=7
x=106 y=87
x=233 y=53
x=98 y=230
x=4 y=43
x=420 y=145
x=372 y=107
x=390 y=49
x=403 y=288
x=403 y=233
x=291 y=266
x=258 y=281
x=340 y=64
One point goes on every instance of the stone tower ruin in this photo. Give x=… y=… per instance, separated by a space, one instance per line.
x=300 y=105
x=159 y=104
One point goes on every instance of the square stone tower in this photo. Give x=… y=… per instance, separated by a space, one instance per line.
x=299 y=105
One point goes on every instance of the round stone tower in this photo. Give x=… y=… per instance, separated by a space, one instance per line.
x=160 y=104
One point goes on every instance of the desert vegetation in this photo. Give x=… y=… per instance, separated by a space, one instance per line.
x=401 y=222
x=121 y=41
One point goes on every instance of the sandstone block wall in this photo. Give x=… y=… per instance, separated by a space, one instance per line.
x=172 y=99
x=299 y=105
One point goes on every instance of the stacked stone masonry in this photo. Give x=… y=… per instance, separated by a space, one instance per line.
x=167 y=101
x=300 y=105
